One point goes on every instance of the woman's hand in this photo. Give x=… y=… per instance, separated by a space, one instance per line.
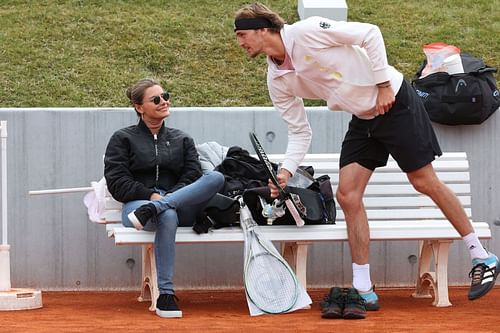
x=155 y=196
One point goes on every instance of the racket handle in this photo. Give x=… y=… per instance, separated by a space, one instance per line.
x=245 y=214
x=295 y=213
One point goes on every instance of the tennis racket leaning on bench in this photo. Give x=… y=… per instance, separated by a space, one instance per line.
x=270 y=284
x=292 y=200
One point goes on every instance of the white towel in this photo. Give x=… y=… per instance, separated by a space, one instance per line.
x=95 y=200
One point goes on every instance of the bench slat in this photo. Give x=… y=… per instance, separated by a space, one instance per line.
x=379 y=230
x=373 y=214
x=376 y=207
x=329 y=163
x=400 y=189
x=380 y=201
x=111 y=203
x=113 y=216
x=400 y=177
x=403 y=214
x=448 y=156
x=332 y=166
x=408 y=202
x=376 y=186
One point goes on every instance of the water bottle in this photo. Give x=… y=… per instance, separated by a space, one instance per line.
x=300 y=179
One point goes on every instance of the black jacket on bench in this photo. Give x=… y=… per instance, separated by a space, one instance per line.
x=131 y=160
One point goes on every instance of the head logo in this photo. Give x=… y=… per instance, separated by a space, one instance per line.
x=460 y=83
x=324 y=25
x=422 y=94
x=496 y=93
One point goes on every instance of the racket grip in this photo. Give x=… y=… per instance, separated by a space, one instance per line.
x=295 y=213
x=245 y=214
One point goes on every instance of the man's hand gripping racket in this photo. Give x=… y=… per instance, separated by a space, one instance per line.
x=292 y=201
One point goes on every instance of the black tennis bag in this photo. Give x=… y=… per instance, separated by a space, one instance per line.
x=221 y=211
x=317 y=198
x=459 y=99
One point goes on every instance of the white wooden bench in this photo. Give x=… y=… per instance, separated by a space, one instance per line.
x=395 y=212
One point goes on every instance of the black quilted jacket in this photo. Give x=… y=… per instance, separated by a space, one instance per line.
x=135 y=163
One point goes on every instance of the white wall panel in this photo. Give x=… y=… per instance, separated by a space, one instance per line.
x=54 y=246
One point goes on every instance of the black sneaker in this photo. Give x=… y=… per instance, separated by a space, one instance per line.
x=483 y=275
x=333 y=304
x=142 y=215
x=354 y=306
x=166 y=306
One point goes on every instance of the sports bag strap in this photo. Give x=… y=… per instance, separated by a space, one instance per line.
x=461 y=99
x=485 y=70
x=435 y=79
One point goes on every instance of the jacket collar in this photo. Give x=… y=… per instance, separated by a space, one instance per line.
x=142 y=126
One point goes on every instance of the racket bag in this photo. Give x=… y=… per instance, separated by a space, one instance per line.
x=317 y=198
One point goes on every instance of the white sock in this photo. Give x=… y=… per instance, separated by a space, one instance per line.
x=475 y=247
x=361 y=277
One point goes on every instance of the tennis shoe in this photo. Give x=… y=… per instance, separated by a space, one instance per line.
x=371 y=299
x=142 y=215
x=483 y=274
x=332 y=305
x=166 y=307
x=354 y=306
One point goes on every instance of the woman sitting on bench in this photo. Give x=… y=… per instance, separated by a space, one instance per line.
x=154 y=170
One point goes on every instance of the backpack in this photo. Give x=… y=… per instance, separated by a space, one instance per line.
x=459 y=99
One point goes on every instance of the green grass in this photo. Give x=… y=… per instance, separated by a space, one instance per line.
x=85 y=53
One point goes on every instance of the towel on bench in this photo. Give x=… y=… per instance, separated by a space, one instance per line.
x=95 y=201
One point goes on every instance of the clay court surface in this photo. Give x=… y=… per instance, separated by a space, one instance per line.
x=226 y=311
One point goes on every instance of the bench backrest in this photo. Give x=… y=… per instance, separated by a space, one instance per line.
x=388 y=196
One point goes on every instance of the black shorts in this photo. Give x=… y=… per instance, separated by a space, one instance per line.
x=405 y=132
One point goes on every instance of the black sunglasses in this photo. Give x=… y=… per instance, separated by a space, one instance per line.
x=156 y=99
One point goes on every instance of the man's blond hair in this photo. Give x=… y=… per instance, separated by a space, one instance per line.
x=258 y=10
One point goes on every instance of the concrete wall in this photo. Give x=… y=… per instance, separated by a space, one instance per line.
x=55 y=247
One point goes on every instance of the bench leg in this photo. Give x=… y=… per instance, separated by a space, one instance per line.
x=295 y=253
x=149 y=287
x=433 y=276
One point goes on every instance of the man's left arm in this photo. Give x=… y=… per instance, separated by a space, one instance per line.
x=385 y=98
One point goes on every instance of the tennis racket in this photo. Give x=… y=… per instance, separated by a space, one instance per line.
x=292 y=201
x=270 y=283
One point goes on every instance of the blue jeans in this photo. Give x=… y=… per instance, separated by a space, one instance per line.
x=177 y=208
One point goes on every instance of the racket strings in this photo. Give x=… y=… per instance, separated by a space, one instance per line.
x=269 y=282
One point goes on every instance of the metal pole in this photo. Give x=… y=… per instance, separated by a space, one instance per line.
x=3 y=135
x=19 y=298
x=61 y=190
x=4 y=247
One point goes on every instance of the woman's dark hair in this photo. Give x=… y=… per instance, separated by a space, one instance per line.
x=258 y=10
x=135 y=93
